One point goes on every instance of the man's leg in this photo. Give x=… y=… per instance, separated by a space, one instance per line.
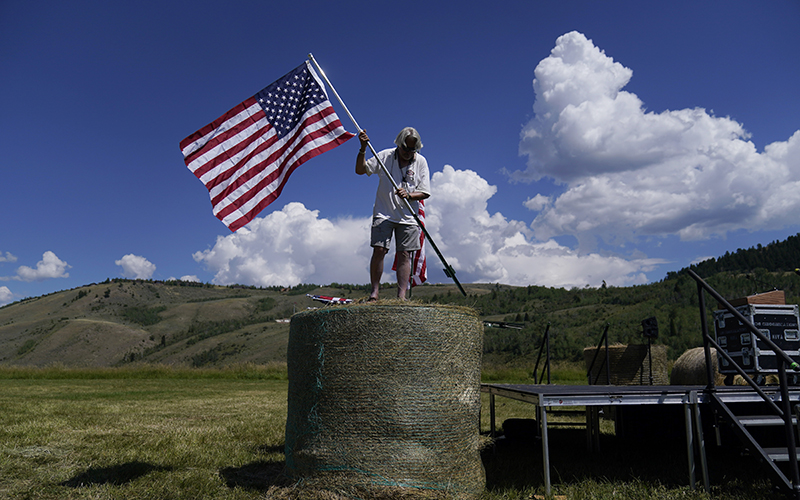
x=376 y=270
x=403 y=273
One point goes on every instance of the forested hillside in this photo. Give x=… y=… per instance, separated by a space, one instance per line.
x=578 y=317
x=120 y=322
x=776 y=256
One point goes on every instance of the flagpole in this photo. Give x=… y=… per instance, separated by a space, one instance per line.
x=448 y=270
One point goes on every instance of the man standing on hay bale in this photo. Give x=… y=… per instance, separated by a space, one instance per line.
x=409 y=169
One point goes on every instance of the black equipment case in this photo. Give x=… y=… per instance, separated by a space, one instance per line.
x=780 y=323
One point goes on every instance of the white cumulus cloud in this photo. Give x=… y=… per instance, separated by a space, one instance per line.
x=490 y=248
x=295 y=245
x=49 y=267
x=537 y=203
x=6 y=297
x=629 y=173
x=8 y=257
x=136 y=266
x=291 y=246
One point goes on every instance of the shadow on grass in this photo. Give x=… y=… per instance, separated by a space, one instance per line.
x=113 y=474
x=658 y=460
x=519 y=463
x=258 y=476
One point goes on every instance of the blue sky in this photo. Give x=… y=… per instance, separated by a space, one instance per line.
x=655 y=134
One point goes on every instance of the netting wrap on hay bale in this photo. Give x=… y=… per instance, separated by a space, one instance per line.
x=629 y=365
x=690 y=368
x=386 y=396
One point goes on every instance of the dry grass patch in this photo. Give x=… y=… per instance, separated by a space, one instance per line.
x=133 y=438
x=172 y=436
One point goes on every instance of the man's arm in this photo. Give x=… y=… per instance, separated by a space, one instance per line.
x=413 y=195
x=361 y=167
x=418 y=195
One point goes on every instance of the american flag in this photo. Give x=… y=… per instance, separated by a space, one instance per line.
x=246 y=156
x=419 y=264
x=329 y=300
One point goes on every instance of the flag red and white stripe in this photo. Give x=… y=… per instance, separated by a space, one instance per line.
x=419 y=264
x=245 y=157
x=329 y=300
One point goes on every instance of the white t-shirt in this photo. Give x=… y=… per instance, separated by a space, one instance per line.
x=413 y=178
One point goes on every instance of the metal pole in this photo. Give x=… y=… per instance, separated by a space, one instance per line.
x=789 y=427
x=608 y=360
x=545 y=450
x=448 y=270
x=539 y=358
x=650 y=359
x=547 y=339
x=604 y=338
x=701 y=444
x=687 y=417
x=706 y=337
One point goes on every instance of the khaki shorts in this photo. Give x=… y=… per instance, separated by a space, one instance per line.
x=406 y=235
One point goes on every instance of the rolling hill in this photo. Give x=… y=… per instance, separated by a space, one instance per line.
x=122 y=322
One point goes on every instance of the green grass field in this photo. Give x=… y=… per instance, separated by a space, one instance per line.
x=174 y=434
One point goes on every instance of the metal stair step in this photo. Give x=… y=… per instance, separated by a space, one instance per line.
x=763 y=420
x=779 y=454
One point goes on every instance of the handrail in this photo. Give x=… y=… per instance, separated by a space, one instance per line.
x=746 y=377
x=739 y=316
x=783 y=360
x=603 y=338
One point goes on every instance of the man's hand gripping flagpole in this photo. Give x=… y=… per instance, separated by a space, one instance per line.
x=448 y=270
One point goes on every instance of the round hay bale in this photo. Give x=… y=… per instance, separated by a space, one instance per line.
x=629 y=364
x=386 y=396
x=690 y=368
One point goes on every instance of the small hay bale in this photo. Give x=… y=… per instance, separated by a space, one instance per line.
x=629 y=364
x=690 y=368
x=386 y=396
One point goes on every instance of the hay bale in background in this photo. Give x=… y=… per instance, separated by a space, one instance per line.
x=386 y=396
x=629 y=364
x=690 y=368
